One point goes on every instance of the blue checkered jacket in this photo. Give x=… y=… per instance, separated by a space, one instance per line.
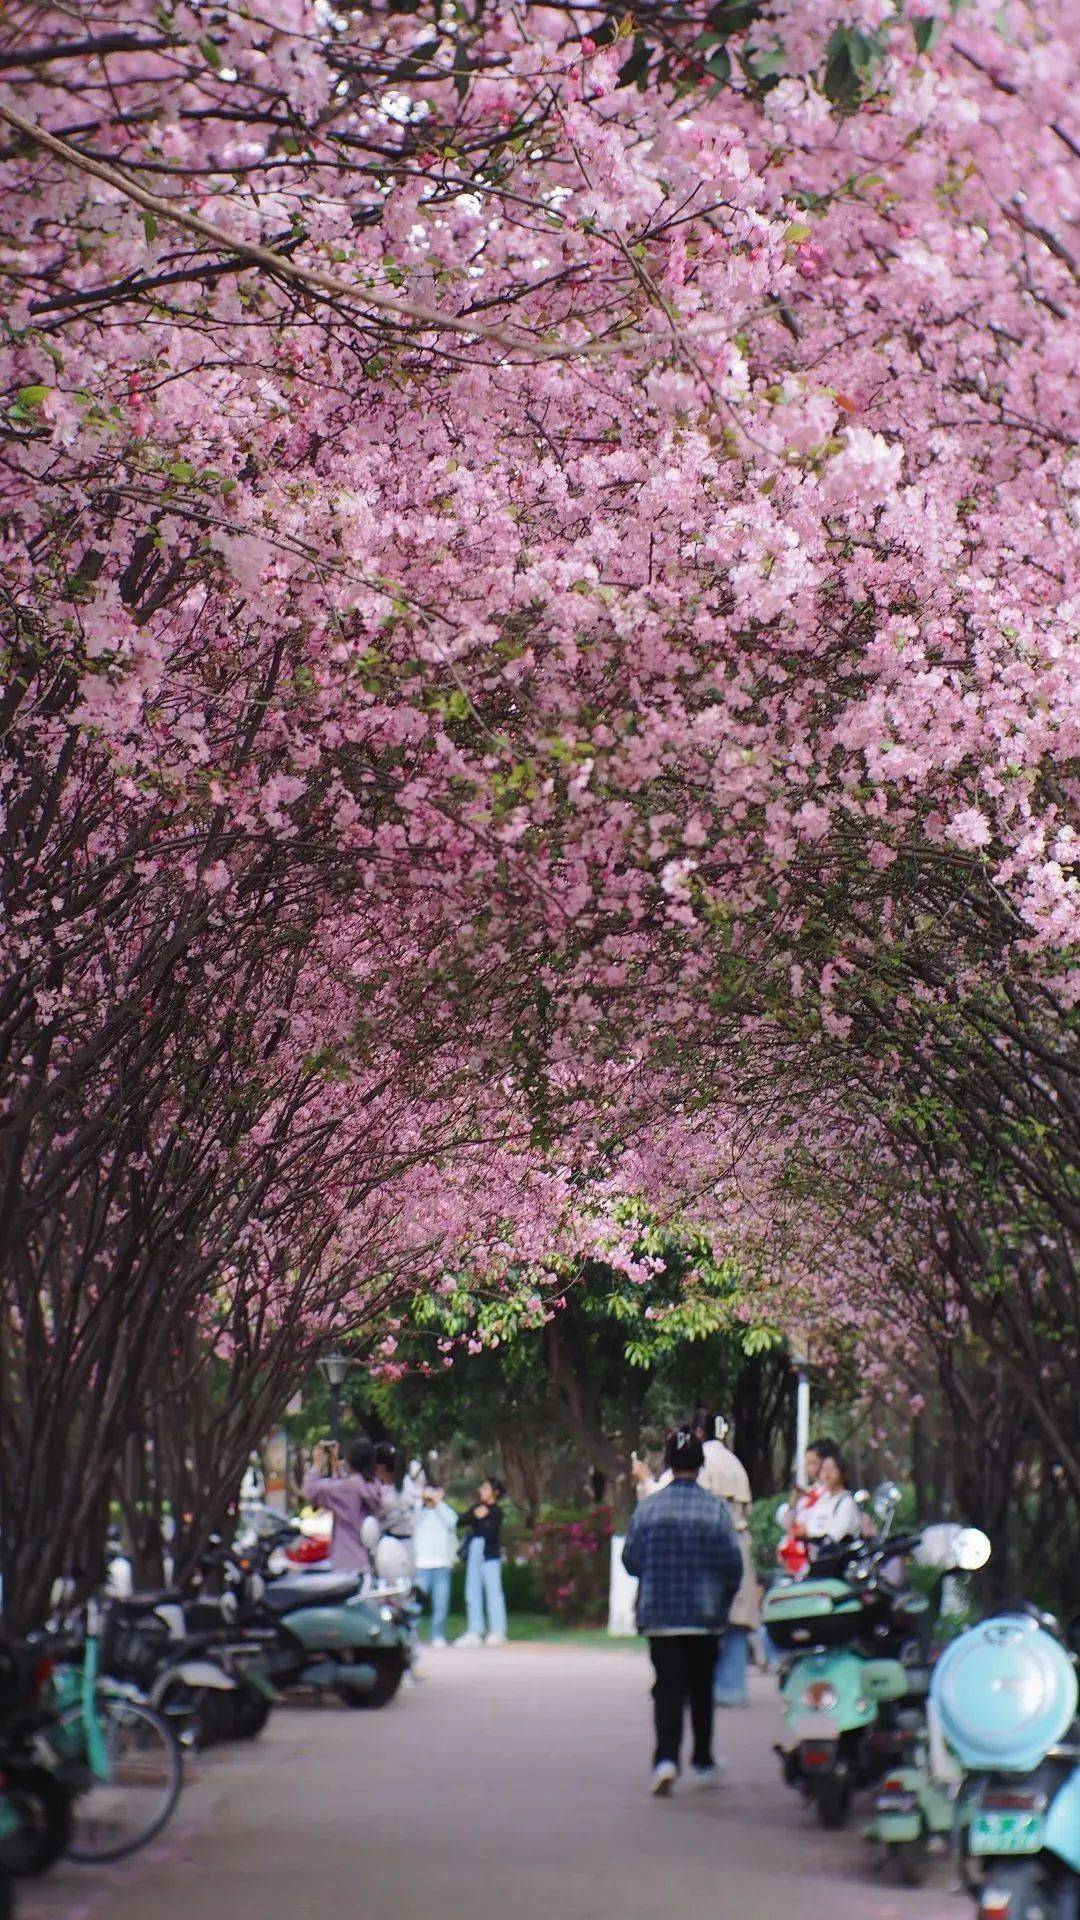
x=681 y=1546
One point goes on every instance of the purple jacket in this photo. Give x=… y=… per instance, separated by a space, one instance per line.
x=350 y=1500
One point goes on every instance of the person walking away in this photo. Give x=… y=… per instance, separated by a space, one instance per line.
x=723 y=1475
x=399 y=1500
x=485 y=1604
x=352 y=1497
x=435 y=1550
x=681 y=1548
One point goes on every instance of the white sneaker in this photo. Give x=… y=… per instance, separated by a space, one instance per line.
x=468 y=1640
x=708 y=1776
x=495 y=1640
x=663 y=1779
x=440 y=1642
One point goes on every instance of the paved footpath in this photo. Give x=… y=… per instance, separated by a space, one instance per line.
x=507 y=1785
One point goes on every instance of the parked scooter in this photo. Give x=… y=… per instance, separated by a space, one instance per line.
x=855 y=1693
x=1006 y=1694
x=36 y=1807
x=916 y=1803
x=181 y=1668
x=314 y=1628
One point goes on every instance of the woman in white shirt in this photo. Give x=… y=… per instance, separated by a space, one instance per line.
x=834 y=1515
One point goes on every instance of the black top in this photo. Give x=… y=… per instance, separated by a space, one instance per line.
x=486 y=1527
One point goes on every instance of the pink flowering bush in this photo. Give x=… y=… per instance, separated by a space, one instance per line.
x=570 y=1555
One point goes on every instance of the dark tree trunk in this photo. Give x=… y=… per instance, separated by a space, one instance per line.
x=567 y=1358
x=528 y=1476
x=918 y=1465
x=763 y=1415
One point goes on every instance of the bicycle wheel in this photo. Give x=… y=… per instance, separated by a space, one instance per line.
x=118 y=1814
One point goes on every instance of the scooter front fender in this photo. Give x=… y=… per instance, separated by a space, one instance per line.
x=192 y=1673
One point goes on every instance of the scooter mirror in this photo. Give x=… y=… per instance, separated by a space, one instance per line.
x=971 y=1550
x=887 y=1496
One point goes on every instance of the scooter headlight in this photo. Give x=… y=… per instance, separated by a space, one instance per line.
x=821 y=1696
x=385 y=1614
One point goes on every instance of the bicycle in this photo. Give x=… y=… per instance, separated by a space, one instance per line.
x=121 y=1758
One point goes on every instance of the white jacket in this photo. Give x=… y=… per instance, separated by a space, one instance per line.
x=435 y=1536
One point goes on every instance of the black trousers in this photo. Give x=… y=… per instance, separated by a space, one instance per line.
x=684 y=1664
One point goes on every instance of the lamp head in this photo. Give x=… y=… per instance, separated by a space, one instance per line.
x=334 y=1365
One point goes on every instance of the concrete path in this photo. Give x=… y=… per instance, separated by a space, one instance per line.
x=508 y=1785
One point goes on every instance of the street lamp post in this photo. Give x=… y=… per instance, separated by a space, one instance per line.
x=334 y=1366
x=799 y=1349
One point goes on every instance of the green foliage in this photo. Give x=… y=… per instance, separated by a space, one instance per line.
x=850 y=59
x=555 y=1370
x=765 y=1535
x=736 y=44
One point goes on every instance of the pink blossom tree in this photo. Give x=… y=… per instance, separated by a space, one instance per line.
x=541 y=571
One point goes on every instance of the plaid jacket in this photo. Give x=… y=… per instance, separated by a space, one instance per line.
x=681 y=1546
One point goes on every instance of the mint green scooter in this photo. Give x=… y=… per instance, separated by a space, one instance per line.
x=854 y=1695
x=915 y=1805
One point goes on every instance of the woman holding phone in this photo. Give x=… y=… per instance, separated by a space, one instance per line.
x=352 y=1496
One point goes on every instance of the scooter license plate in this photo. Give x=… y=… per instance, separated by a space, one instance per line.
x=1006 y=1833
x=814 y=1727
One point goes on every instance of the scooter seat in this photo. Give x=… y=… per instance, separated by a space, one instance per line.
x=295 y=1590
x=138 y=1603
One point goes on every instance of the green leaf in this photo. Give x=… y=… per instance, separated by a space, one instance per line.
x=181 y=470
x=211 y=53
x=149 y=226
x=764 y=66
x=865 y=51
x=927 y=34
x=841 y=83
x=633 y=71
x=719 y=65
x=734 y=16
x=32 y=396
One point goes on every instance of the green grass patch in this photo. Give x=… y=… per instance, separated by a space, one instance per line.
x=532 y=1627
